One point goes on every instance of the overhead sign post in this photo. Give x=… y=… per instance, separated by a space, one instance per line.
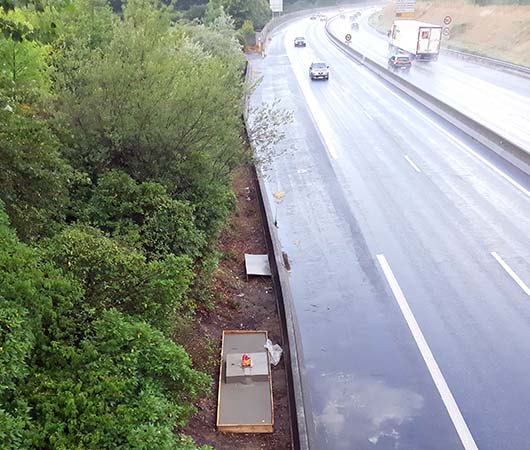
x=276 y=6
x=405 y=8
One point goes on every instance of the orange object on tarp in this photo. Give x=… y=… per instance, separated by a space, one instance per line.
x=245 y=360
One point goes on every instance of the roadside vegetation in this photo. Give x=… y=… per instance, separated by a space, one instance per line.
x=120 y=126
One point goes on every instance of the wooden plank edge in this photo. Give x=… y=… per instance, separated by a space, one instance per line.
x=261 y=428
x=245 y=332
x=220 y=379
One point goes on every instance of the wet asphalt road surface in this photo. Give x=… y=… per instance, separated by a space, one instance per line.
x=370 y=176
x=497 y=99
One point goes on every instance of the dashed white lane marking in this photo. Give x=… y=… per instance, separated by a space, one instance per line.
x=452 y=138
x=447 y=397
x=413 y=164
x=510 y=272
x=367 y=114
x=460 y=143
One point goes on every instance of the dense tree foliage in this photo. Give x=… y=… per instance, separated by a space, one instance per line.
x=34 y=179
x=72 y=378
x=118 y=137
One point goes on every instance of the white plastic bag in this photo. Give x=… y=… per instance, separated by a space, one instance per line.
x=275 y=352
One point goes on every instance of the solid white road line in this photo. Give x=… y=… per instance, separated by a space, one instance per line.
x=416 y=168
x=510 y=272
x=320 y=119
x=447 y=397
x=367 y=114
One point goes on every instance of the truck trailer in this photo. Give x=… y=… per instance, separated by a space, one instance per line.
x=419 y=39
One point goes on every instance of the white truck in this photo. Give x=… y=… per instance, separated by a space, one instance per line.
x=419 y=39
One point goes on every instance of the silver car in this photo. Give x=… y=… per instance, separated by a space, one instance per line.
x=319 y=71
x=299 y=41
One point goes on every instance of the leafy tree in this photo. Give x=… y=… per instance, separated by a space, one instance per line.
x=81 y=28
x=213 y=202
x=125 y=387
x=34 y=178
x=136 y=106
x=265 y=128
x=187 y=4
x=219 y=39
x=248 y=33
x=214 y=9
x=195 y=12
x=117 y=148
x=24 y=76
x=34 y=299
x=257 y=11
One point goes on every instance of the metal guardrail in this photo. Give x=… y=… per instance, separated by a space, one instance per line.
x=486 y=60
x=514 y=154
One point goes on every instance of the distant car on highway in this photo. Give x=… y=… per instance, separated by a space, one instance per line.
x=299 y=41
x=323 y=18
x=313 y=17
x=399 y=62
x=355 y=26
x=319 y=71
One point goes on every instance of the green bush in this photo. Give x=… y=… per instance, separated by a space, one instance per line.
x=34 y=179
x=72 y=380
x=248 y=33
x=116 y=276
x=144 y=215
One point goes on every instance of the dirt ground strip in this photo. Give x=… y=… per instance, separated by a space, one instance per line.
x=242 y=305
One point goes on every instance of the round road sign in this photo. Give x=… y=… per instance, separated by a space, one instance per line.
x=446 y=31
x=348 y=37
x=447 y=20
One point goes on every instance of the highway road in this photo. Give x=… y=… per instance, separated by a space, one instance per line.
x=409 y=253
x=497 y=99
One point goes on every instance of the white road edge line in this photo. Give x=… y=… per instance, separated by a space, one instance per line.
x=510 y=272
x=367 y=114
x=415 y=167
x=447 y=397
